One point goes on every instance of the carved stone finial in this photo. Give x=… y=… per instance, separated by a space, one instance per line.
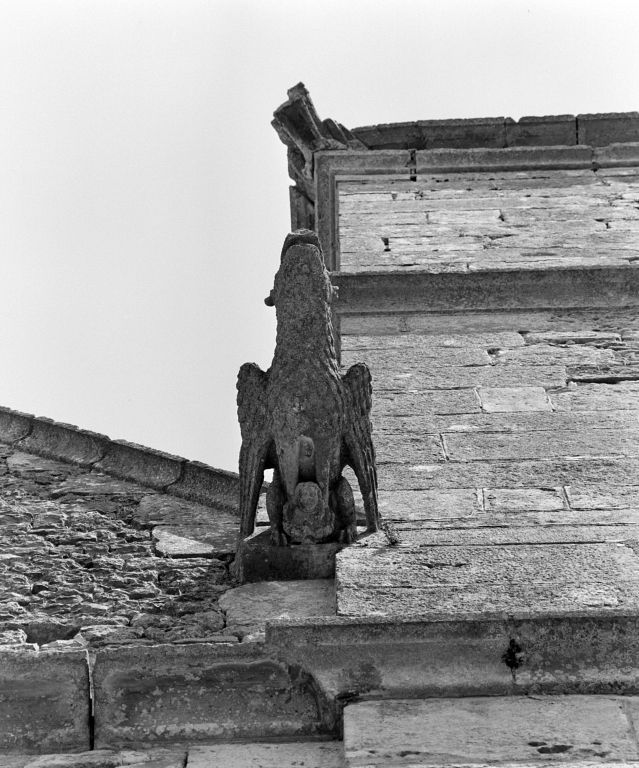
x=303 y=417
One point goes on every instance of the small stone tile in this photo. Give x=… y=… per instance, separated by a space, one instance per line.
x=513 y=399
x=523 y=499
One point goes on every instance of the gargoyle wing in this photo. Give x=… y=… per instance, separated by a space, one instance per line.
x=358 y=440
x=252 y=411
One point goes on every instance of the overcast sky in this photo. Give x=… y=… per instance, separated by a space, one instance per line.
x=144 y=194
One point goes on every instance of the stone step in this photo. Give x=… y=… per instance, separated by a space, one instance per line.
x=505 y=730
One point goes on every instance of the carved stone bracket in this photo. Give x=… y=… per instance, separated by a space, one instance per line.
x=300 y=128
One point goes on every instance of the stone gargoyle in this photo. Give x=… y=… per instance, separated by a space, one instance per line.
x=304 y=418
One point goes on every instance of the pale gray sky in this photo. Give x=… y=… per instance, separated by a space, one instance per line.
x=144 y=195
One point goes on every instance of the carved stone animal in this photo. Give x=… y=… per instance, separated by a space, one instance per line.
x=303 y=417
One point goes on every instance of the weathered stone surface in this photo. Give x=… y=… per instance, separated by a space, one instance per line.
x=497 y=321
x=523 y=499
x=572 y=337
x=483 y=731
x=616 y=471
x=458 y=581
x=513 y=399
x=412 y=376
x=160 y=509
x=541 y=131
x=97 y=484
x=608 y=128
x=106 y=758
x=421 y=356
x=147 y=695
x=14 y=425
x=597 y=397
x=448 y=504
x=503 y=530
x=472 y=447
x=432 y=341
x=443 y=401
x=25 y=464
x=44 y=701
x=563 y=422
x=417 y=657
x=322 y=754
x=195 y=540
x=250 y=606
x=542 y=354
x=257 y=559
x=603 y=497
x=403 y=447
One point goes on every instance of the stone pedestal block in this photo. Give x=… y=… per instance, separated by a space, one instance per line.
x=44 y=702
x=259 y=560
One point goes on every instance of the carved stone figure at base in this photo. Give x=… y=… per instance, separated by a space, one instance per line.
x=303 y=417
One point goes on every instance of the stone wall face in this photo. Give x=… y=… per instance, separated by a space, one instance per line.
x=468 y=222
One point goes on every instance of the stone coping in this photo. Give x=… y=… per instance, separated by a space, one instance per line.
x=191 y=480
x=594 y=129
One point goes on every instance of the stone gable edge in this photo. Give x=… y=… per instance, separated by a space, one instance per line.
x=176 y=476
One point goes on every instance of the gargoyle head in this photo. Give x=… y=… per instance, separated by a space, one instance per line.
x=302 y=271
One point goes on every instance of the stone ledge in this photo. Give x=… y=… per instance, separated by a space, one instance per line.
x=484 y=654
x=507 y=159
x=191 y=480
x=362 y=292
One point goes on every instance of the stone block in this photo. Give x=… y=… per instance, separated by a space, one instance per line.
x=250 y=606
x=310 y=754
x=513 y=399
x=65 y=442
x=146 y=466
x=207 y=485
x=44 y=701
x=259 y=560
x=457 y=581
x=199 y=692
x=527 y=473
x=523 y=499
x=624 y=395
x=583 y=730
x=597 y=130
x=544 y=131
x=433 y=134
x=615 y=155
x=443 y=505
x=14 y=425
x=543 y=445
x=191 y=541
